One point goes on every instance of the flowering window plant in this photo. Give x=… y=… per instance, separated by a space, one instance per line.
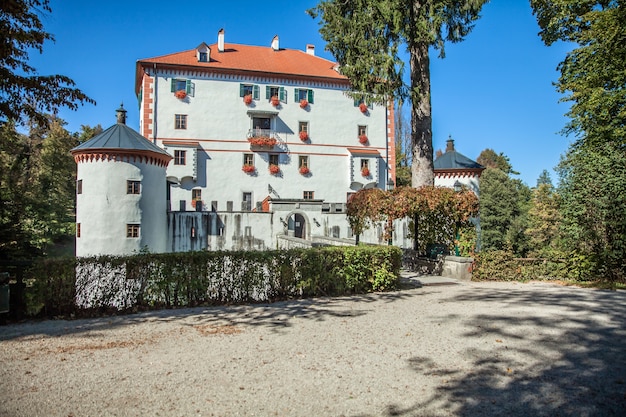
x=180 y=94
x=363 y=139
x=363 y=107
x=304 y=136
x=303 y=104
x=275 y=101
x=274 y=169
x=248 y=169
x=365 y=171
x=304 y=170
x=247 y=99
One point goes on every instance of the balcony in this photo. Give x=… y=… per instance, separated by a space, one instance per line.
x=262 y=138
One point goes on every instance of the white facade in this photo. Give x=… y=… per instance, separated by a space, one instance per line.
x=104 y=209
x=207 y=128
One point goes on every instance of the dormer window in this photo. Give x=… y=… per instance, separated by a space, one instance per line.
x=203 y=52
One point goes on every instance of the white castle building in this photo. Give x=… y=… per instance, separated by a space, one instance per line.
x=240 y=147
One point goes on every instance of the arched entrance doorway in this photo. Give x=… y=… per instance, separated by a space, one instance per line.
x=297 y=225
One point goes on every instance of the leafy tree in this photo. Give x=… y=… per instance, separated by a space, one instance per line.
x=504 y=204
x=24 y=95
x=490 y=159
x=18 y=237
x=593 y=79
x=544 y=220
x=366 y=36
x=544 y=179
x=37 y=188
x=592 y=74
x=593 y=207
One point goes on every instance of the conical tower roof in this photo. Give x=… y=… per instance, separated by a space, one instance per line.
x=119 y=140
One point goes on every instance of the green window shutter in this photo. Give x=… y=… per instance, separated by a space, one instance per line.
x=267 y=92
x=241 y=90
x=173 y=85
x=188 y=87
x=370 y=105
x=256 y=94
x=356 y=102
x=310 y=100
x=296 y=95
x=283 y=94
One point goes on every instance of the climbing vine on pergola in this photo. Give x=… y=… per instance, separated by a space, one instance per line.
x=436 y=212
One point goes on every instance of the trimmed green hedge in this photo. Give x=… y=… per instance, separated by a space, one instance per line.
x=153 y=281
x=497 y=265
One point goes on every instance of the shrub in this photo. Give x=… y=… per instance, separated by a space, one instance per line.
x=187 y=279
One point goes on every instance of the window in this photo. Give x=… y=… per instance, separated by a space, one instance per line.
x=303 y=161
x=77 y=229
x=182 y=85
x=133 y=187
x=203 y=57
x=365 y=163
x=358 y=101
x=132 y=230
x=261 y=124
x=274 y=159
x=196 y=195
x=180 y=157
x=279 y=92
x=303 y=127
x=248 y=159
x=246 y=204
x=249 y=89
x=307 y=195
x=180 y=121
x=362 y=130
x=303 y=94
x=79 y=187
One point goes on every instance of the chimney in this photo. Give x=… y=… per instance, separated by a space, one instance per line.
x=220 y=40
x=450 y=144
x=310 y=49
x=275 y=43
x=121 y=115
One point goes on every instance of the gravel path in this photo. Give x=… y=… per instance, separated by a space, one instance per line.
x=473 y=349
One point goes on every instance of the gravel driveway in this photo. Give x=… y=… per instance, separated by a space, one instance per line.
x=473 y=349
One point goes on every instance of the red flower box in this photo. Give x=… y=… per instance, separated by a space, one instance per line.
x=363 y=107
x=363 y=139
x=304 y=136
x=262 y=141
x=303 y=104
x=365 y=172
x=180 y=94
x=304 y=170
x=247 y=99
x=274 y=169
x=248 y=169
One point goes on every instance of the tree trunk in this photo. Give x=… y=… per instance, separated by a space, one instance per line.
x=421 y=118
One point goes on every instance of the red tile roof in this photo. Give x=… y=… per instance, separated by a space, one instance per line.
x=253 y=59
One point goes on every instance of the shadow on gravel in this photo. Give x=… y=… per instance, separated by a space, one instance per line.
x=573 y=363
x=276 y=315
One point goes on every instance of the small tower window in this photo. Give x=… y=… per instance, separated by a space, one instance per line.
x=133 y=187
x=79 y=187
x=132 y=230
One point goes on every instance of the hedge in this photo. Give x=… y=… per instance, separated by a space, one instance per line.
x=87 y=286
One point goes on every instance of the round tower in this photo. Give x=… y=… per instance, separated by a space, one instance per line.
x=120 y=193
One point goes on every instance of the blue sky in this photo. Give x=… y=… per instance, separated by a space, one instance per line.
x=494 y=90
